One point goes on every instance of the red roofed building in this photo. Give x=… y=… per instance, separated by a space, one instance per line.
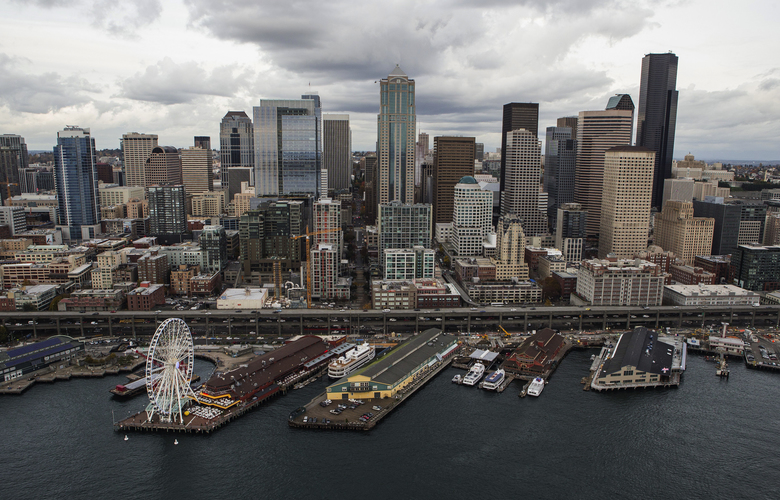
x=535 y=356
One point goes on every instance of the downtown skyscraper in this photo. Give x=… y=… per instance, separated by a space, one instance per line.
x=517 y=115
x=288 y=146
x=657 y=116
x=336 y=152
x=559 y=169
x=396 y=129
x=136 y=149
x=236 y=146
x=520 y=188
x=75 y=178
x=13 y=158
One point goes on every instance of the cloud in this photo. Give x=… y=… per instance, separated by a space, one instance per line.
x=119 y=18
x=30 y=93
x=170 y=83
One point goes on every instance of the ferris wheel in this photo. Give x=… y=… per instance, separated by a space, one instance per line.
x=169 y=370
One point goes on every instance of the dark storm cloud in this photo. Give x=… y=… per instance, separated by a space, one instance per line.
x=39 y=93
x=170 y=83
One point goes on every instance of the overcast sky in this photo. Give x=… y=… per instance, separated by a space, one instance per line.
x=174 y=68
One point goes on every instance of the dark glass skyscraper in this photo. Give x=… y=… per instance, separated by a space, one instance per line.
x=560 y=155
x=75 y=178
x=396 y=144
x=517 y=115
x=13 y=158
x=236 y=146
x=657 y=115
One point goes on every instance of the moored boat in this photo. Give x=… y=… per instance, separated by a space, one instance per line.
x=494 y=380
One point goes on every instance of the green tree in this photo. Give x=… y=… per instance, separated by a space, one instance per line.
x=4 y=337
x=29 y=307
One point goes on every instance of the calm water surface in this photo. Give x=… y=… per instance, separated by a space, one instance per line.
x=710 y=438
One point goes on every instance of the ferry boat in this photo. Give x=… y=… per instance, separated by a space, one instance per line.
x=494 y=380
x=536 y=387
x=473 y=376
x=351 y=361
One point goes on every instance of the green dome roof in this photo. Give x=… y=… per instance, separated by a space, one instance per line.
x=468 y=180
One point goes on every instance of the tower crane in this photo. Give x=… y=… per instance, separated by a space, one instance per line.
x=8 y=188
x=308 y=236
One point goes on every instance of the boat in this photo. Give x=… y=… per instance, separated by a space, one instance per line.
x=457 y=379
x=351 y=361
x=175 y=441
x=474 y=374
x=536 y=387
x=126 y=438
x=494 y=380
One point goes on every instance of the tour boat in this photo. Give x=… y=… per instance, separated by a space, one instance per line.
x=351 y=361
x=494 y=380
x=536 y=387
x=473 y=376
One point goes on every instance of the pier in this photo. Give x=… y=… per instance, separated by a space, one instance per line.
x=349 y=418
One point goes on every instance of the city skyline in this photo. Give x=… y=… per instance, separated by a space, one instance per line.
x=178 y=78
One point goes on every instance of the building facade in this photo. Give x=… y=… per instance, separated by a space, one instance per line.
x=597 y=131
x=613 y=282
x=288 y=147
x=453 y=159
x=625 y=205
x=136 y=149
x=520 y=187
x=472 y=217
x=196 y=169
x=76 y=183
x=336 y=152
x=677 y=230
x=409 y=263
x=657 y=115
x=167 y=209
x=396 y=128
x=403 y=225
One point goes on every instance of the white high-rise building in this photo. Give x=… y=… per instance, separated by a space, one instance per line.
x=472 y=217
x=520 y=191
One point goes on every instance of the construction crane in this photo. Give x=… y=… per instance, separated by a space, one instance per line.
x=308 y=236
x=506 y=333
x=8 y=187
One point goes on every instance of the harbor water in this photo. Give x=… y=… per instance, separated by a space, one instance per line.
x=709 y=438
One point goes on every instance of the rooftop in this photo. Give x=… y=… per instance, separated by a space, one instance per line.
x=642 y=349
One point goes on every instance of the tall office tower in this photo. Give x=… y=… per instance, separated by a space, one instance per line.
x=324 y=271
x=327 y=217
x=560 y=157
x=213 y=242
x=163 y=166
x=76 y=182
x=203 y=142
x=472 y=217
x=167 y=209
x=678 y=190
x=336 y=152
x=288 y=147
x=510 y=249
x=625 y=206
x=597 y=131
x=196 y=172
x=517 y=115
x=403 y=225
x=569 y=121
x=622 y=102
x=396 y=126
x=105 y=173
x=453 y=159
x=520 y=186
x=136 y=149
x=370 y=168
x=678 y=231
x=479 y=152
x=13 y=158
x=423 y=144
x=657 y=116
x=236 y=146
x=265 y=234
x=725 y=234
x=570 y=231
